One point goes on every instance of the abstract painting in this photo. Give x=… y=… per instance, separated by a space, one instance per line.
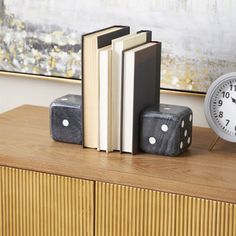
x=39 y=37
x=44 y=37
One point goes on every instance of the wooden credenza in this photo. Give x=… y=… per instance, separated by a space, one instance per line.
x=50 y=188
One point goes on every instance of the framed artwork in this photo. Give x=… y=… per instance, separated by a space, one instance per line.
x=44 y=37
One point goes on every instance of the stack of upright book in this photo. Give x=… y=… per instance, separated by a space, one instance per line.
x=120 y=77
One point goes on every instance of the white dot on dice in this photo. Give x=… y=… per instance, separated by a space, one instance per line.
x=164 y=128
x=185 y=133
x=182 y=124
x=181 y=145
x=64 y=99
x=152 y=140
x=189 y=140
x=190 y=118
x=65 y=123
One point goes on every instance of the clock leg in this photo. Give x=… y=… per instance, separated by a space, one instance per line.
x=212 y=145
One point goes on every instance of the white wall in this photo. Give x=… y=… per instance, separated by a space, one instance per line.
x=16 y=91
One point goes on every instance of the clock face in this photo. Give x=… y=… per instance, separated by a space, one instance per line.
x=220 y=107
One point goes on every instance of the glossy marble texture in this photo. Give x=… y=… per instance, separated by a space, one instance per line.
x=66 y=119
x=166 y=129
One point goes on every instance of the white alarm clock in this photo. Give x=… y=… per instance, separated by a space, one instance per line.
x=220 y=107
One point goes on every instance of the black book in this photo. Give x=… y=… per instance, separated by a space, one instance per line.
x=91 y=43
x=140 y=88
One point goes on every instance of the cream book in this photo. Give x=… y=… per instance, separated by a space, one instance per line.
x=105 y=111
x=118 y=46
x=91 y=43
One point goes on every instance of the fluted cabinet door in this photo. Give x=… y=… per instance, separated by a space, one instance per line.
x=37 y=204
x=129 y=211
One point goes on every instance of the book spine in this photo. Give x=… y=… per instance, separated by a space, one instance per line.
x=158 y=70
x=122 y=101
x=105 y=100
x=82 y=76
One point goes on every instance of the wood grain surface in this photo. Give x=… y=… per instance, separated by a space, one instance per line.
x=25 y=143
x=34 y=204
x=122 y=210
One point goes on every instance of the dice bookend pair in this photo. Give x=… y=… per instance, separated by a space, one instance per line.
x=164 y=129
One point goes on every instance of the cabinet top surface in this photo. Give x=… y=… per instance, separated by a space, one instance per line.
x=25 y=143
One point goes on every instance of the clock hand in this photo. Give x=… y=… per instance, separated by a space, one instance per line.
x=233 y=100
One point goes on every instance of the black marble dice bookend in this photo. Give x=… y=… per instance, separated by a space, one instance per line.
x=66 y=119
x=166 y=129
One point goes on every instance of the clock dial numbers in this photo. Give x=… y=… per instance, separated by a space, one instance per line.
x=223 y=107
x=227 y=122
x=233 y=87
x=221 y=114
x=226 y=95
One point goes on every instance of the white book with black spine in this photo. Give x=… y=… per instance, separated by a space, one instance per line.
x=140 y=89
x=118 y=46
